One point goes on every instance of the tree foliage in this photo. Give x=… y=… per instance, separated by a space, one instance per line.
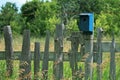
x=7 y=14
x=38 y=15
x=41 y=15
x=28 y=10
x=108 y=18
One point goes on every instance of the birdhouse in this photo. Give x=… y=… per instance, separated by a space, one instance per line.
x=86 y=22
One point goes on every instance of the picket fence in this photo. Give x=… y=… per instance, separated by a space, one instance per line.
x=90 y=51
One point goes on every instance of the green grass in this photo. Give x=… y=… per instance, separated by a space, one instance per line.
x=67 y=69
x=3 y=75
x=15 y=76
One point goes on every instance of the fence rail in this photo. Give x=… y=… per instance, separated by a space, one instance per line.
x=105 y=48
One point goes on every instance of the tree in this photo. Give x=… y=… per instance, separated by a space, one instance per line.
x=109 y=19
x=47 y=16
x=68 y=9
x=106 y=12
x=37 y=15
x=7 y=13
x=28 y=10
x=72 y=8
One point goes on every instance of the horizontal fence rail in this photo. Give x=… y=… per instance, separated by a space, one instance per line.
x=105 y=48
x=18 y=53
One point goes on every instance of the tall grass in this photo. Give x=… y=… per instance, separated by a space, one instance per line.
x=67 y=69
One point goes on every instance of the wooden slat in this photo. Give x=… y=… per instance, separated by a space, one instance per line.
x=112 y=75
x=18 y=53
x=37 y=61
x=51 y=55
x=46 y=57
x=25 y=58
x=73 y=56
x=58 y=62
x=99 y=54
x=106 y=47
x=8 y=50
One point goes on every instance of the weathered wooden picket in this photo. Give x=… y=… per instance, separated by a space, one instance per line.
x=90 y=51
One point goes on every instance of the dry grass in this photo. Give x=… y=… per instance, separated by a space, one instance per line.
x=17 y=44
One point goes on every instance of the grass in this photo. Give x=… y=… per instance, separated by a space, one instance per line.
x=67 y=70
x=17 y=45
x=16 y=70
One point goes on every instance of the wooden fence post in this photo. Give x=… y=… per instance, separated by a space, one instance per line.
x=36 y=61
x=112 y=75
x=99 y=54
x=25 y=59
x=73 y=55
x=8 y=50
x=58 y=57
x=46 y=57
x=88 y=42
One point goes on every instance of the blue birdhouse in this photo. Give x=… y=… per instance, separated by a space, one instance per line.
x=86 y=22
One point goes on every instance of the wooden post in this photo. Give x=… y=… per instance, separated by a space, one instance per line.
x=36 y=61
x=58 y=62
x=73 y=55
x=99 y=54
x=46 y=57
x=8 y=50
x=25 y=59
x=112 y=75
x=88 y=42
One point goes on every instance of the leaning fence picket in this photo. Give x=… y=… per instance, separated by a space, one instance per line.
x=73 y=56
x=37 y=61
x=25 y=59
x=46 y=57
x=58 y=58
x=8 y=50
x=99 y=54
x=112 y=75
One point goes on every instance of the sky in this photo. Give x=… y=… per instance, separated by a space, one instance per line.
x=18 y=3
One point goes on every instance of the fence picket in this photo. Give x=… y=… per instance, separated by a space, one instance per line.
x=99 y=54
x=112 y=75
x=37 y=61
x=73 y=56
x=88 y=41
x=8 y=50
x=25 y=59
x=46 y=57
x=58 y=62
